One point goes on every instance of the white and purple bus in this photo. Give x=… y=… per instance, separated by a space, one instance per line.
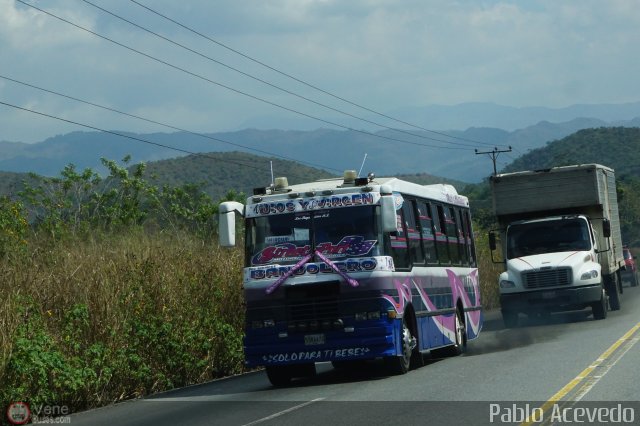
x=353 y=269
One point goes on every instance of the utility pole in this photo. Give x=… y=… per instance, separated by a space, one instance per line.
x=494 y=155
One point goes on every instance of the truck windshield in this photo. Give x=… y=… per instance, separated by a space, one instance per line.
x=550 y=236
x=336 y=233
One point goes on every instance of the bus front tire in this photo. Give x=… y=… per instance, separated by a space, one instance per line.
x=281 y=375
x=400 y=364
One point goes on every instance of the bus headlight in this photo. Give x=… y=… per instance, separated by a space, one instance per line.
x=263 y=324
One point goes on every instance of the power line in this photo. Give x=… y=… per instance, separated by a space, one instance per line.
x=163 y=124
x=494 y=153
x=233 y=89
x=271 y=84
x=122 y=135
x=300 y=80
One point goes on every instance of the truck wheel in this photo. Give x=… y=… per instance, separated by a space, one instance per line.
x=510 y=318
x=600 y=308
x=611 y=287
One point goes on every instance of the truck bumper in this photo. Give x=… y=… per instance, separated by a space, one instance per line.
x=565 y=299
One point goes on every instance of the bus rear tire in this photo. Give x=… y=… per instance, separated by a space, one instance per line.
x=460 y=343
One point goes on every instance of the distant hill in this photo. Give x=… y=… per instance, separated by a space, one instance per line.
x=615 y=147
x=466 y=115
x=241 y=172
x=387 y=153
x=220 y=172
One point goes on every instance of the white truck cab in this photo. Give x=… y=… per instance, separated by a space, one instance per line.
x=561 y=242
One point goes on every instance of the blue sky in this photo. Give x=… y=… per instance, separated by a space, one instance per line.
x=382 y=54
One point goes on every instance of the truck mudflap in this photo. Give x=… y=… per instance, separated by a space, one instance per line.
x=564 y=299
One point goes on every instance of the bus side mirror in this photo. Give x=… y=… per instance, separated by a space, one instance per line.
x=388 y=207
x=606 y=228
x=227 y=222
x=492 y=241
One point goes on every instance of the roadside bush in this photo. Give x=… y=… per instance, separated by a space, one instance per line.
x=13 y=227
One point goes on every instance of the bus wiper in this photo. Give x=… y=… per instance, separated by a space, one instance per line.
x=353 y=282
x=290 y=272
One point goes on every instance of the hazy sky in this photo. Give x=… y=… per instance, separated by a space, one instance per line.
x=382 y=54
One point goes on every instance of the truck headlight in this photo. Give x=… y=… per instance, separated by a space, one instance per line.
x=507 y=284
x=589 y=275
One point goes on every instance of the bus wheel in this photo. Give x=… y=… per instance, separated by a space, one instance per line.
x=460 y=345
x=279 y=375
x=600 y=308
x=400 y=364
x=460 y=340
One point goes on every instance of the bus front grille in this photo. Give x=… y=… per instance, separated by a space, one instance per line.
x=313 y=305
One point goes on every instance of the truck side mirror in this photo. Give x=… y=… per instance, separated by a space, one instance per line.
x=492 y=241
x=606 y=228
x=388 y=211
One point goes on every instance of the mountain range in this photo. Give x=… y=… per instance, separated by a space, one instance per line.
x=387 y=153
x=463 y=116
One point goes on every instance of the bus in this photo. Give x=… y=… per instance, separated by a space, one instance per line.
x=348 y=269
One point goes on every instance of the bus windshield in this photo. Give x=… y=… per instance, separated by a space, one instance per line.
x=526 y=239
x=338 y=234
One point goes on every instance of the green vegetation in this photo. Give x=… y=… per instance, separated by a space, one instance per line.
x=114 y=291
x=216 y=173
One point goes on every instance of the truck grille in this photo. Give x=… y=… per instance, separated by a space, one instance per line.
x=547 y=278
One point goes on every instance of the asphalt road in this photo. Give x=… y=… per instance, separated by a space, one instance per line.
x=506 y=375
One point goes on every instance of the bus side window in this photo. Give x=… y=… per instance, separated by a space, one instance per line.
x=413 y=234
x=427 y=232
x=452 y=235
x=441 y=235
x=399 y=245
x=472 y=244
x=463 y=238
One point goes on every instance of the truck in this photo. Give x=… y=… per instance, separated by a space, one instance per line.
x=559 y=232
x=354 y=269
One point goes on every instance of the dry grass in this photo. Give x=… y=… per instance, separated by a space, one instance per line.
x=142 y=313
